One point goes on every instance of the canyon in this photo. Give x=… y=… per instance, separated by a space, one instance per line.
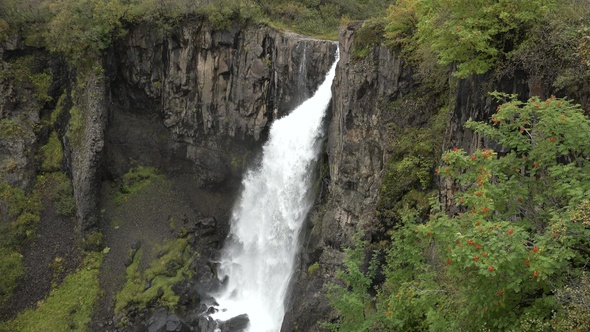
x=196 y=104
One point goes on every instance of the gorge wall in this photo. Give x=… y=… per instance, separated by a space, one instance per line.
x=192 y=102
x=197 y=103
x=377 y=104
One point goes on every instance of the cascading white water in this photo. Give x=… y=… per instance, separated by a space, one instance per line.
x=266 y=222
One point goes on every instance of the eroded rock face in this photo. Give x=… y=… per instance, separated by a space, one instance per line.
x=86 y=148
x=358 y=141
x=221 y=82
x=194 y=101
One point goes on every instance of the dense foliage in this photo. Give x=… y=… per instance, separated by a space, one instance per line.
x=479 y=35
x=512 y=242
x=77 y=28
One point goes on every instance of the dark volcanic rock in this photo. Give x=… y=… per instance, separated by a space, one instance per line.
x=358 y=140
x=235 y=324
x=206 y=324
x=161 y=321
x=200 y=101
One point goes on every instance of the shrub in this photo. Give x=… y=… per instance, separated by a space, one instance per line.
x=474 y=35
x=513 y=235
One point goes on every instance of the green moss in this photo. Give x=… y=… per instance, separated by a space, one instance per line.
x=58 y=109
x=370 y=34
x=93 y=241
x=11 y=128
x=11 y=270
x=58 y=187
x=134 y=181
x=9 y=165
x=170 y=268
x=52 y=153
x=68 y=307
x=313 y=268
x=27 y=72
x=75 y=126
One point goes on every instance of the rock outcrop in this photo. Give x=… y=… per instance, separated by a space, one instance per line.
x=193 y=101
x=201 y=101
x=358 y=145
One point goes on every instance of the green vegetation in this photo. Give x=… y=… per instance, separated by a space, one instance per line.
x=368 y=35
x=28 y=71
x=408 y=177
x=58 y=109
x=68 y=307
x=170 y=268
x=11 y=128
x=134 y=181
x=57 y=187
x=80 y=29
x=510 y=247
x=19 y=214
x=477 y=36
x=11 y=269
x=93 y=241
x=52 y=153
x=320 y=18
x=313 y=268
x=75 y=126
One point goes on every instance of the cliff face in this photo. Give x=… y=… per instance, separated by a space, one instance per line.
x=375 y=104
x=358 y=146
x=194 y=101
x=199 y=102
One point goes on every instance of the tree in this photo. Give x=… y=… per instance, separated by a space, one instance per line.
x=473 y=34
x=516 y=235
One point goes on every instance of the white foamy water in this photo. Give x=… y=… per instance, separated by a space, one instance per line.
x=266 y=222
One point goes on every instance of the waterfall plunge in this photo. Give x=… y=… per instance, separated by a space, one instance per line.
x=266 y=222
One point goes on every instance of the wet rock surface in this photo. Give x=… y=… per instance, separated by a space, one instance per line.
x=357 y=144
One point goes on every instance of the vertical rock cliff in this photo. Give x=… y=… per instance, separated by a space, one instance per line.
x=357 y=148
x=377 y=104
x=193 y=102
x=200 y=101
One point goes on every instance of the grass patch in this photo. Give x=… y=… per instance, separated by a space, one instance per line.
x=68 y=307
x=154 y=284
x=58 y=187
x=135 y=181
x=52 y=154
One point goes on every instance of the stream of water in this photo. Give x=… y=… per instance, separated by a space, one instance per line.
x=266 y=222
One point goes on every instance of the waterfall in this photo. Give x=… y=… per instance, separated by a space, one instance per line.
x=266 y=222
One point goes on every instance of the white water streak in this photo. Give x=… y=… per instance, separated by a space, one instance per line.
x=267 y=220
